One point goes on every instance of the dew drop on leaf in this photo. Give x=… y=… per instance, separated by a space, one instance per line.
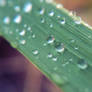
x=82 y=64
x=22 y=33
x=17 y=19
x=60 y=47
x=51 y=13
x=6 y=20
x=35 y=52
x=27 y=7
x=50 y=39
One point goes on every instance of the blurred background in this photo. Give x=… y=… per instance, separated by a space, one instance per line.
x=17 y=74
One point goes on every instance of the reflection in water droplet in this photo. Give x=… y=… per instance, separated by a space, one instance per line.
x=17 y=8
x=27 y=7
x=17 y=19
x=60 y=47
x=42 y=11
x=33 y=36
x=51 y=13
x=22 y=33
x=35 y=52
x=50 y=39
x=82 y=64
x=6 y=20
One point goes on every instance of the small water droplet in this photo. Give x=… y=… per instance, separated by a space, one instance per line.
x=59 y=6
x=82 y=64
x=17 y=19
x=60 y=47
x=51 y=13
x=22 y=42
x=42 y=11
x=51 y=25
x=25 y=25
x=78 y=20
x=35 y=52
x=50 y=39
x=50 y=55
x=54 y=58
x=49 y=1
x=56 y=78
x=29 y=28
x=6 y=20
x=42 y=20
x=33 y=36
x=62 y=21
x=17 y=8
x=22 y=33
x=27 y=7
x=41 y=1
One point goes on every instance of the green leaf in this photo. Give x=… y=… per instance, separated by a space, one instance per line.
x=57 y=42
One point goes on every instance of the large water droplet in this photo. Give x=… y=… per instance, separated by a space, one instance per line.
x=17 y=19
x=50 y=39
x=6 y=20
x=27 y=7
x=82 y=64
x=60 y=47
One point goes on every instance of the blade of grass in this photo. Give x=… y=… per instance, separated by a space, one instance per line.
x=57 y=42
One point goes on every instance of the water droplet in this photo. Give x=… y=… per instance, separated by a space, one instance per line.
x=2 y=2
x=22 y=33
x=29 y=28
x=17 y=8
x=78 y=20
x=51 y=13
x=33 y=36
x=82 y=64
x=50 y=55
x=42 y=11
x=27 y=7
x=59 y=6
x=35 y=52
x=60 y=47
x=25 y=25
x=50 y=39
x=56 y=78
x=54 y=58
x=6 y=20
x=17 y=19
x=22 y=42
x=49 y=1
x=42 y=20
x=41 y=1
x=62 y=21
x=51 y=25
